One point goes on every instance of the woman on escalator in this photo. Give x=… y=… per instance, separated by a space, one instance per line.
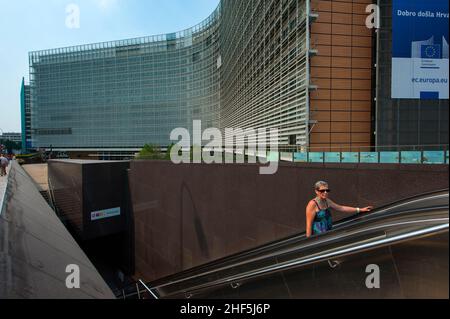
x=318 y=211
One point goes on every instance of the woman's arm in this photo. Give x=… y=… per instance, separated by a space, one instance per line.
x=348 y=210
x=310 y=216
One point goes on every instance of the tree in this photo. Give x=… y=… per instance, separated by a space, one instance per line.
x=10 y=146
x=150 y=152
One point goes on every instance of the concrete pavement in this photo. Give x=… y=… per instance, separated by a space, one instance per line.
x=36 y=249
x=39 y=174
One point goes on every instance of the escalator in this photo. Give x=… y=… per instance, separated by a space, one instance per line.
x=407 y=240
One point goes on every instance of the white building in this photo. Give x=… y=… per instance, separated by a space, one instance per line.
x=13 y=137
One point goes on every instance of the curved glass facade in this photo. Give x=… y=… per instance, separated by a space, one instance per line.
x=264 y=47
x=245 y=66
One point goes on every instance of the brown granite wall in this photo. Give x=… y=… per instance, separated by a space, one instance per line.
x=187 y=215
x=342 y=71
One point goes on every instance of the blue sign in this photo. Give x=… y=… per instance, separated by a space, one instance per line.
x=431 y=51
x=420 y=49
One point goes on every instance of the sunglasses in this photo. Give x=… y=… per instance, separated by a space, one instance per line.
x=324 y=191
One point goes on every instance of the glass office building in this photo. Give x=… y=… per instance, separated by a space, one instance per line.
x=25 y=105
x=310 y=68
x=264 y=79
x=124 y=94
x=243 y=67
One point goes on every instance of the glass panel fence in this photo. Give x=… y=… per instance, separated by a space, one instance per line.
x=390 y=157
x=316 y=157
x=411 y=157
x=369 y=157
x=332 y=157
x=350 y=157
x=301 y=157
x=383 y=157
x=433 y=157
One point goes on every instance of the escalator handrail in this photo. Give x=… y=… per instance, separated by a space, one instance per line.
x=311 y=244
x=293 y=239
x=307 y=260
x=184 y=276
x=376 y=237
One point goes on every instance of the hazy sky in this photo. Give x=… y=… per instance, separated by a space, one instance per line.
x=31 y=25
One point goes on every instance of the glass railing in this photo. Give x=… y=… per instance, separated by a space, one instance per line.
x=365 y=157
x=383 y=155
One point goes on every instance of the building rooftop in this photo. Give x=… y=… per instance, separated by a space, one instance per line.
x=84 y=162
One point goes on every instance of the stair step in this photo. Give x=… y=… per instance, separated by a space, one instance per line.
x=46 y=196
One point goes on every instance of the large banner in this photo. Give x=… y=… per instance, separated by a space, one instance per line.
x=420 y=49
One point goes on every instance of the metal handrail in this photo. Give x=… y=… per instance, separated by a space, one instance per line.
x=297 y=238
x=236 y=280
x=148 y=289
x=367 y=244
x=249 y=274
x=52 y=195
x=137 y=291
x=310 y=257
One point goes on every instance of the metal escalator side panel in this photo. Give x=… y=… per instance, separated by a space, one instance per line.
x=424 y=201
x=336 y=243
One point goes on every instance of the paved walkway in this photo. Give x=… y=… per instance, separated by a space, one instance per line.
x=39 y=174
x=36 y=248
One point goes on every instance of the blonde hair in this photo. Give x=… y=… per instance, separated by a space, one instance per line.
x=320 y=184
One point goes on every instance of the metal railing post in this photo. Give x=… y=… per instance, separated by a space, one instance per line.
x=148 y=289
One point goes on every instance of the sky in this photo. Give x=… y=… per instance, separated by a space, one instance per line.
x=32 y=25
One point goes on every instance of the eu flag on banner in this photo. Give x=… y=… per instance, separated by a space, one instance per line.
x=431 y=51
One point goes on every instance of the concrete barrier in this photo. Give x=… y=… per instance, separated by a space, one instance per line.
x=35 y=249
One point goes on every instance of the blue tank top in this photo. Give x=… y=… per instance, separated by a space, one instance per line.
x=323 y=222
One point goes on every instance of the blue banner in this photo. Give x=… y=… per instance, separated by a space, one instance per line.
x=420 y=49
